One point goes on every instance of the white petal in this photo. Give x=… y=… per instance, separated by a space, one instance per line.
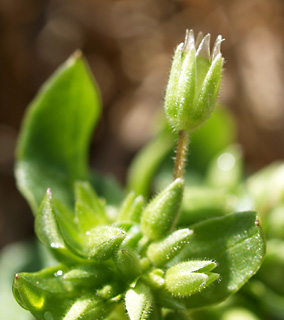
x=204 y=47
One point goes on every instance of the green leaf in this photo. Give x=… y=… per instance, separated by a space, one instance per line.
x=53 y=144
x=139 y=302
x=89 y=208
x=49 y=233
x=195 y=209
x=15 y=258
x=52 y=293
x=236 y=243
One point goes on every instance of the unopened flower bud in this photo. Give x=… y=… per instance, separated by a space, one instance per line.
x=186 y=278
x=162 y=212
x=194 y=82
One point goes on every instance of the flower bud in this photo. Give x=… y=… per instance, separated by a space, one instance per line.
x=161 y=252
x=161 y=213
x=138 y=302
x=127 y=262
x=193 y=82
x=103 y=241
x=186 y=278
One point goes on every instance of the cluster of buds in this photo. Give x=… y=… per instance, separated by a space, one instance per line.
x=194 y=82
x=107 y=261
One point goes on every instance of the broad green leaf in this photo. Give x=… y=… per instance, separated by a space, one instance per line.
x=236 y=243
x=52 y=149
x=200 y=203
x=14 y=258
x=48 y=294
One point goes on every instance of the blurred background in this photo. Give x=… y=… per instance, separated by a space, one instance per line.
x=129 y=45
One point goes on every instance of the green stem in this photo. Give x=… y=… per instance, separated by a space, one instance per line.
x=181 y=150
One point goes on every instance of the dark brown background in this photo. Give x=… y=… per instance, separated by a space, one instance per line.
x=129 y=44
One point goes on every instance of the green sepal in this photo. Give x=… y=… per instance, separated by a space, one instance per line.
x=170 y=98
x=138 y=302
x=49 y=233
x=102 y=242
x=187 y=278
x=89 y=209
x=161 y=252
x=128 y=263
x=206 y=98
x=185 y=94
x=161 y=213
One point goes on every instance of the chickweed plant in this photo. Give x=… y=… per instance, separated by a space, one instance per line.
x=134 y=260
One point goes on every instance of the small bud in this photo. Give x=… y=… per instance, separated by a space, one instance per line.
x=161 y=213
x=156 y=278
x=103 y=241
x=186 y=278
x=139 y=302
x=193 y=82
x=163 y=251
x=128 y=263
x=109 y=291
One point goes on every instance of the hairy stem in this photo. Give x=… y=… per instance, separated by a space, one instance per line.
x=181 y=150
